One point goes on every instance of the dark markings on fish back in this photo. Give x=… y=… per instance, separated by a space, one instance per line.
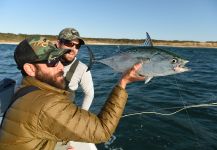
x=150 y=49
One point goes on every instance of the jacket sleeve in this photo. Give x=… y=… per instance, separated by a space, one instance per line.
x=68 y=122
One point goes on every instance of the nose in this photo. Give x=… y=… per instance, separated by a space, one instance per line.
x=60 y=66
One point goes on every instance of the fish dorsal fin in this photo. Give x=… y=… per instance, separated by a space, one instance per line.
x=148 y=41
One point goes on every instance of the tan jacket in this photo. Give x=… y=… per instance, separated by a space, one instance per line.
x=43 y=117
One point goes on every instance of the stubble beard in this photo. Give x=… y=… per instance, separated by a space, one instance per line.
x=51 y=80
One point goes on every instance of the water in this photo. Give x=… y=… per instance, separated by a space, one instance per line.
x=195 y=128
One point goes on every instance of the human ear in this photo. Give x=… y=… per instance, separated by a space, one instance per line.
x=29 y=69
x=58 y=43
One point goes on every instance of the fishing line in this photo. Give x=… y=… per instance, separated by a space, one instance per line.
x=91 y=59
x=186 y=110
x=173 y=113
x=213 y=104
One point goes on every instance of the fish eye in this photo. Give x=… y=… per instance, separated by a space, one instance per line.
x=174 y=60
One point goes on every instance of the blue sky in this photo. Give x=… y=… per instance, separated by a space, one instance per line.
x=164 y=19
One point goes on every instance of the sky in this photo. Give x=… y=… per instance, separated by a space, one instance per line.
x=191 y=20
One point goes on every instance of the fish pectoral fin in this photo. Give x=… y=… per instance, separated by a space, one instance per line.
x=148 y=78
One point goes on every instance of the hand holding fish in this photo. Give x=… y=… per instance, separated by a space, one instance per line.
x=131 y=75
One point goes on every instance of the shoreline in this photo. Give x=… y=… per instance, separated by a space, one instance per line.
x=14 y=43
x=10 y=38
x=188 y=45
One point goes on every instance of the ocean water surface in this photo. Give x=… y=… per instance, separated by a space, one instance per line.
x=194 y=128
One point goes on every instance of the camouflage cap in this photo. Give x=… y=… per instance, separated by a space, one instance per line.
x=35 y=49
x=70 y=34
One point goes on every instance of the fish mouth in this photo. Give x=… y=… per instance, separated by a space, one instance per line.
x=181 y=67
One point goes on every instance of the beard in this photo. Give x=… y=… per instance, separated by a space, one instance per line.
x=69 y=57
x=51 y=79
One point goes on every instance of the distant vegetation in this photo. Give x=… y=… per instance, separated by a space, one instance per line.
x=10 y=37
x=16 y=38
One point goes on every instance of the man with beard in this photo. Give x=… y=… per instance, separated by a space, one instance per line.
x=76 y=73
x=42 y=113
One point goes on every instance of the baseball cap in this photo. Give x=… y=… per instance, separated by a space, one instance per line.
x=70 y=34
x=35 y=49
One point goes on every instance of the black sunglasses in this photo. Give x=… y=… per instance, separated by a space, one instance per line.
x=70 y=44
x=53 y=63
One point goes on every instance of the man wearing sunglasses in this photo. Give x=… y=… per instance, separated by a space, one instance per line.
x=75 y=71
x=42 y=113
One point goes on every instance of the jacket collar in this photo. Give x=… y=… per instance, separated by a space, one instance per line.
x=27 y=81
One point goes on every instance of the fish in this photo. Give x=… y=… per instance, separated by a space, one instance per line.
x=155 y=61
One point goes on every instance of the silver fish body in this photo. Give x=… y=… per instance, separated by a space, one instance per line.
x=156 y=61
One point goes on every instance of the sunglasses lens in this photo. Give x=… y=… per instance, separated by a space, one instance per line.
x=69 y=44
x=53 y=62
